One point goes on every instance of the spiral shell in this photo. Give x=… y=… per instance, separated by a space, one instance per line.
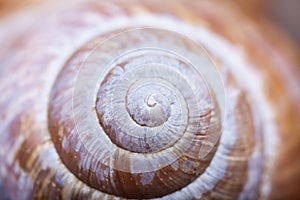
x=169 y=100
x=152 y=121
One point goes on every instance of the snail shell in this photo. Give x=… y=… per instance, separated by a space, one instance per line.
x=103 y=100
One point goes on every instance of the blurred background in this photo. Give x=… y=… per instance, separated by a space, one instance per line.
x=285 y=14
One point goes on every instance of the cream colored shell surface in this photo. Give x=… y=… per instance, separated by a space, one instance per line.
x=147 y=99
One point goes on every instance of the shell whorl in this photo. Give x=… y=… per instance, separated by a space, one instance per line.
x=151 y=119
x=186 y=109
